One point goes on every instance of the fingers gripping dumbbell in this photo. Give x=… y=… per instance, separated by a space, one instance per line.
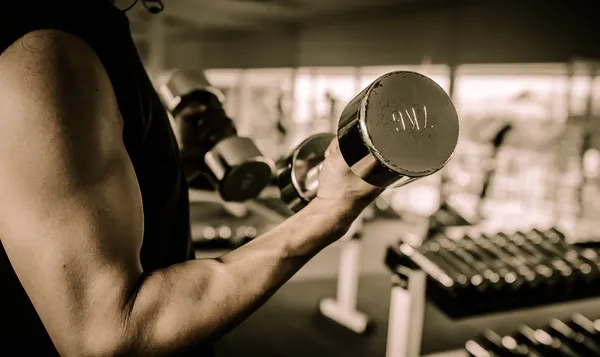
x=400 y=128
x=210 y=145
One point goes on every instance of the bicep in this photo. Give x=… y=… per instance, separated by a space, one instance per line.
x=71 y=218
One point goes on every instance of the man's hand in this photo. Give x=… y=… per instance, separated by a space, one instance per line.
x=339 y=186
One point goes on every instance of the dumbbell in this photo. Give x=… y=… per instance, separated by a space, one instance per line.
x=519 y=245
x=527 y=264
x=579 y=342
x=467 y=284
x=489 y=343
x=511 y=279
x=542 y=343
x=575 y=271
x=586 y=327
x=482 y=277
x=400 y=128
x=588 y=269
x=213 y=155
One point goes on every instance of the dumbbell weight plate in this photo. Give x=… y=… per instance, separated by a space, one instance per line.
x=177 y=84
x=240 y=169
x=403 y=126
x=298 y=175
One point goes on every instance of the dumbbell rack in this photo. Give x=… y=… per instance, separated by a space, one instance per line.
x=575 y=336
x=410 y=287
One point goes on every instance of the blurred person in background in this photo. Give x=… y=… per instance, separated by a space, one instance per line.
x=96 y=257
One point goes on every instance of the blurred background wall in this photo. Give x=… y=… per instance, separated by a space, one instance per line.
x=387 y=32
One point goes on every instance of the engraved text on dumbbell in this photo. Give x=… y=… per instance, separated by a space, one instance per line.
x=414 y=122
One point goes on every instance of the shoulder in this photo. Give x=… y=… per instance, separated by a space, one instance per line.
x=53 y=68
x=47 y=51
x=55 y=92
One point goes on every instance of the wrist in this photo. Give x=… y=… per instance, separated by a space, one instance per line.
x=339 y=214
x=319 y=224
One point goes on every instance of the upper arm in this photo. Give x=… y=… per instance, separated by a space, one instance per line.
x=71 y=218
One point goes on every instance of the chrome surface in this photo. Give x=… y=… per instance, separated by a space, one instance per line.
x=177 y=84
x=239 y=168
x=307 y=162
x=401 y=127
x=298 y=176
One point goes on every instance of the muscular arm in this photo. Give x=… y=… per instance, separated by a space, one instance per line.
x=71 y=219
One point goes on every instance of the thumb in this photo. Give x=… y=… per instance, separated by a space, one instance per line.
x=332 y=148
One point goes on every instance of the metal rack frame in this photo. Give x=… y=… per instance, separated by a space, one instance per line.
x=343 y=308
x=407 y=313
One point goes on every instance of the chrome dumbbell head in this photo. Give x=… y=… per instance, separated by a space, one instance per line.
x=402 y=127
x=239 y=170
x=298 y=176
x=177 y=85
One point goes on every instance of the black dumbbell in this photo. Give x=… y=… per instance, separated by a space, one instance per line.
x=525 y=337
x=516 y=348
x=488 y=344
x=571 y=272
x=440 y=256
x=543 y=343
x=586 y=327
x=481 y=261
x=400 y=128
x=453 y=276
x=214 y=156
x=589 y=269
x=481 y=277
x=558 y=342
x=542 y=280
x=506 y=343
x=510 y=277
x=506 y=250
x=578 y=341
x=517 y=244
x=433 y=269
x=591 y=255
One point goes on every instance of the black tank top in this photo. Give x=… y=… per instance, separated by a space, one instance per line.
x=148 y=138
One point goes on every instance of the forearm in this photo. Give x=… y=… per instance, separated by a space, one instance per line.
x=193 y=302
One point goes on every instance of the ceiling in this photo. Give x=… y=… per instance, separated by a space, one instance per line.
x=185 y=16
